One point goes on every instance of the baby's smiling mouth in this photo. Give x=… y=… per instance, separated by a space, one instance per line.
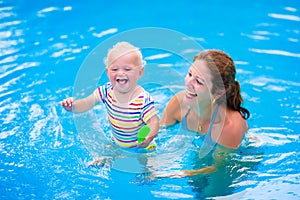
x=122 y=80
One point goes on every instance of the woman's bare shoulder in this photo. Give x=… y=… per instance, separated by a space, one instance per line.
x=234 y=129
x=172 y=112
x=177 y=98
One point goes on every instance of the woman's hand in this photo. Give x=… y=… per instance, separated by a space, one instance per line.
x=205 y=170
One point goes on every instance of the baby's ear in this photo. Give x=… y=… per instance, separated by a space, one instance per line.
x=141 y=72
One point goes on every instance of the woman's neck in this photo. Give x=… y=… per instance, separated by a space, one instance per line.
x=205 y=112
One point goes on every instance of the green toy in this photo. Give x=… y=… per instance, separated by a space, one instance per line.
x=142 y=133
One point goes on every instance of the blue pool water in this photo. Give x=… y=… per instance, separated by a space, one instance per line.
x=53 y=49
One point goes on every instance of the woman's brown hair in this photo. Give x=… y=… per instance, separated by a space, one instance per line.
x=223 y=77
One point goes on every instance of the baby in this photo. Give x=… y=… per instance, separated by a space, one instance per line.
x=129 y=107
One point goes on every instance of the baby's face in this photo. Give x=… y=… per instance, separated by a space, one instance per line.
x=124 y=72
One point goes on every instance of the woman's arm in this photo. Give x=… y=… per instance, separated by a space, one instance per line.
x=229 y=140
x=172 y=113
x=219 y=156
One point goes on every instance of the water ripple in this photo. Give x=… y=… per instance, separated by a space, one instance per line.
x=5 y=86
x=285 y=17
x=275 y=52
x=279 y=157
x=105 y=32
x=263 y=81
x=271 y=136
x=171 y=195
x=21 y=67
x=8 y=59
x=4 y=13
x=10 y=23
x=158 y=56
x=43 y=12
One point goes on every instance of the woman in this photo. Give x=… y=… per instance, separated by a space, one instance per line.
x=210 y=105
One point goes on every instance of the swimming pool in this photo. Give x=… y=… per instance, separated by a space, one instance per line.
x=44 y=45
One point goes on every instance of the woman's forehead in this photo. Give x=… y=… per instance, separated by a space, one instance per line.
x=200 y=68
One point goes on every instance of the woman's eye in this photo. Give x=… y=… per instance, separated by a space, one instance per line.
x=199 y=82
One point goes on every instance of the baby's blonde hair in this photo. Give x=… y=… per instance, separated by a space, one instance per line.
x=120 y=49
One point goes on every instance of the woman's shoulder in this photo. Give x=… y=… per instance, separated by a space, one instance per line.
x=172 y=112
x=234 y=129
x=178 y=97
x=176 y=103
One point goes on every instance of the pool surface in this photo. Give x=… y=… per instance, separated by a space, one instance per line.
x=54 y=49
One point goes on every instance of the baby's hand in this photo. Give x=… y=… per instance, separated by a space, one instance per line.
x=67 y=103
x=143 y=144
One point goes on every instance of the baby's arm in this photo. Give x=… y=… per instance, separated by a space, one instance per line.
x=80 y=105
x=153 y=124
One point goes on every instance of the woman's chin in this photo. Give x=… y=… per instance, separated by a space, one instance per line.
x=189 y=100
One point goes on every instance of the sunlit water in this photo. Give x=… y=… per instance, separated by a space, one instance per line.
x=44 y=151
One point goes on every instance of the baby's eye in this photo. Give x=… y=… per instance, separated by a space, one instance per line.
x=113 y=68
x=189 y=74
x=128 y=69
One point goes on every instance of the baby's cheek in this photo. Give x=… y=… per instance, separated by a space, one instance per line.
x=111 y=76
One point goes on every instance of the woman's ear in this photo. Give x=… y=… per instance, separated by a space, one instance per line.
x=219 y=94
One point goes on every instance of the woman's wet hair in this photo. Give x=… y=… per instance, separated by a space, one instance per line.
x=223 y=74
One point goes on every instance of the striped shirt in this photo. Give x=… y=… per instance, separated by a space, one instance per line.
x=126 y=119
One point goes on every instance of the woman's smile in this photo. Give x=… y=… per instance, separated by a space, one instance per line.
x=190 y=94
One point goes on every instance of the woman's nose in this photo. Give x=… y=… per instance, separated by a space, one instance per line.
x=188 y=80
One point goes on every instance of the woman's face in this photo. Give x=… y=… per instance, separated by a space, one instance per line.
x=198 y=84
